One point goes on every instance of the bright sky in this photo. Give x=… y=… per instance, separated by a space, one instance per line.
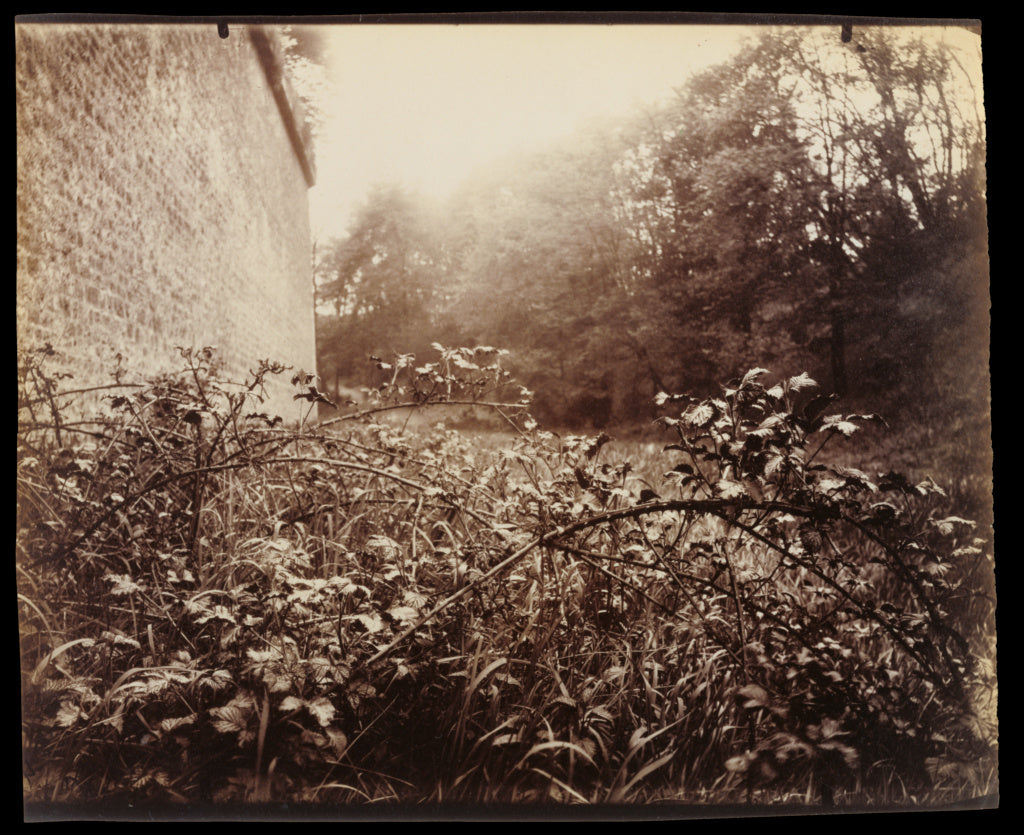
x=425 y=104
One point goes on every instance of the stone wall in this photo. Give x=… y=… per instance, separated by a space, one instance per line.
x=162 y=198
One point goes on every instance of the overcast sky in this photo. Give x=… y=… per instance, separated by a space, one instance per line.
x=424 y=105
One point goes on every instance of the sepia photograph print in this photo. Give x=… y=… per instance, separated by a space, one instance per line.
x=503 y=416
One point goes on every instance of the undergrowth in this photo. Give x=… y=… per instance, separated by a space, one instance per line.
x=218 y=607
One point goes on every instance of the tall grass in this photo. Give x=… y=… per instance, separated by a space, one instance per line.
x=215 y=607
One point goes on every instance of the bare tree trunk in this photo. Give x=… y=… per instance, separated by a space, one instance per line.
x=838 y=350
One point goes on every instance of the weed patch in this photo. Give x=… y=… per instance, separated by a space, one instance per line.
x=217 y=607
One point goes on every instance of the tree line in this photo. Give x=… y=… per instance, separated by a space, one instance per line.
x=814 y=204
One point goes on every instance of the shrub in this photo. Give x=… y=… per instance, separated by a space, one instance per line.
x=216 y=606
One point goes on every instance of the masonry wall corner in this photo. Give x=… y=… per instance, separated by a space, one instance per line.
x=161 y=199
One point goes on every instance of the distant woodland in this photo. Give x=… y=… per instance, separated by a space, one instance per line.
x=812 y=205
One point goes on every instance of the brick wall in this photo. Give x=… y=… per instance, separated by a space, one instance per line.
x=162 y=198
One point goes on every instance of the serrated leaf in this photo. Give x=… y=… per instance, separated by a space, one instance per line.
x=276 y=681
x=77 y=684
x=768 y=426
x=175 y=722
x=321 y=710
x=219 y=612
x=69 y=713
x=119 y=640
x=371 y=622
x=699 y=415
x=292 y=703
x=949 y=525
x=731 y=489
x=415 y=599
x=802 y=381
x=753 y=374
x=230 y=719
x=406 y=615
x=830 y=484
x=837 y=423
x=383 y=547
x=364 y=689
x=929 y=486
x=122 y=584
x=773 y=463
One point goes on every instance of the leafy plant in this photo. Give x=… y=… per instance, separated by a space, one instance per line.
x=216 y=606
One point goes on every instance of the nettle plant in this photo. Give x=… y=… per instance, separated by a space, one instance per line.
x=846 y=607
x=192 y=570
x=808 y=625
x=217 y=606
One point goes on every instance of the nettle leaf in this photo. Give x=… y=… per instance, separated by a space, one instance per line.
x=929 y=486
x=70 y=713
x=363 y=690
x=661 y=398
x=951 y=524
x=196 y=605
x=831 y=484
x=872 y=418
x=731 y=489
x=801 y=382
x=343 y=585
x=218 y=612
x=850 y=756
x=216 y=680
x=76 y=684
x=856 y=479
x=699 y=415
x=383 y=547
x=175 y=722
x=404 y=614
x=277 y=681
x=415 y=599
x=837 y=423
x=292 y=703
x=768 y=427
x=371 y=622
x=230 y=719
x=752 y=375
x=786 y=747
x=321 y=710
x=122 y=584
x=773 y=463
x=119 y=640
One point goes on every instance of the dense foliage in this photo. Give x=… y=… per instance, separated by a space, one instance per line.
x=216 y=607
x=811 y=203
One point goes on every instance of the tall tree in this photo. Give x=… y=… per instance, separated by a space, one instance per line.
x=380 y=284
x=781 y=178
x=543 y=270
